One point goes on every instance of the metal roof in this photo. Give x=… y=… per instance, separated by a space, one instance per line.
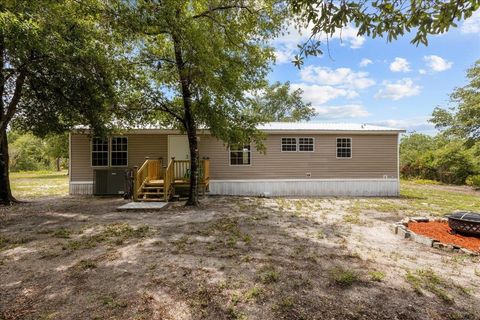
x=285 y=127
x=319 y=126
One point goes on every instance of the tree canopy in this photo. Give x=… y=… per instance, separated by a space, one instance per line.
x=463 y=118
x=205 y=64
x=57 y=69
x=380 y=18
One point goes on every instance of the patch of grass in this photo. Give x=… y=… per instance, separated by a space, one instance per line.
x=114 y=233
x=112 y=302
x=11 y=242
x=423 y=181
x=417 y=199
x=344 y=277
x=268 y=275
x=320 y=234
x=430 y=281
x=234 y=314
x=353 y=218
x=87 y=264
x=253 y=293
x=285 y=305
x=377 y=276
x=36 y=184
x=229 y=230
x=62 y=233
x=247 y=238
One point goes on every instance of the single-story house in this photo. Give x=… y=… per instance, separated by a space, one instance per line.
x=301 y=159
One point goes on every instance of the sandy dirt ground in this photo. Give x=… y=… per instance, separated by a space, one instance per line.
x=234 y=258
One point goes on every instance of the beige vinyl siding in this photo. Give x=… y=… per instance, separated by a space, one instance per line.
x=80 y=166
x=373 y=156
x=139 y=147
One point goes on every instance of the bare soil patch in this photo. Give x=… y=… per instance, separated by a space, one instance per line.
x=233 y=258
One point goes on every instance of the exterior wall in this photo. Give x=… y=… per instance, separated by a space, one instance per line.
x=139 y=147
x=372 y=170
x=374 y=156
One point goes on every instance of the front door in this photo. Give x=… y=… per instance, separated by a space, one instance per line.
x=178 y=147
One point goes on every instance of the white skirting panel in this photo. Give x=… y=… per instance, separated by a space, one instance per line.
x=306 y=187
x=81 y=187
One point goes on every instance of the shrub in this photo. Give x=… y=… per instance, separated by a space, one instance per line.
x=474 y=181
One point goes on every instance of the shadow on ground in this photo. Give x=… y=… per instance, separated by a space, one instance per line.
x=234 y=258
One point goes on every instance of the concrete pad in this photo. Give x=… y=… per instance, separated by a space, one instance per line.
x=142 y=206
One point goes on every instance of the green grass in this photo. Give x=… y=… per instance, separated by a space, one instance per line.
x=377 y=276
x=37 y=184
x=344 y=277
x=430 y=281
x=419 y=199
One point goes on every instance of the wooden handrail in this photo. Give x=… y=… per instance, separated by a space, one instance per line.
x=151 y=169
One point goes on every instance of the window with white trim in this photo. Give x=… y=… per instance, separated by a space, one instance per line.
x=344 y=147
x=289 y=144
x=99 y=152
x=240 y=155
x=119 y=153
x=305 y=144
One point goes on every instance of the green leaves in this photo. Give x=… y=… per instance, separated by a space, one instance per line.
x=463 y=118
x=383 y=18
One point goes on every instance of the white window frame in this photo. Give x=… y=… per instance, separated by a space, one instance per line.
x=298 y=144
x=240 y=165
x=336 y=148
x=91 y=153
x=111 y=152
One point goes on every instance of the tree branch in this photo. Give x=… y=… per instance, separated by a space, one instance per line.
x=220 y=8
x=12 y=106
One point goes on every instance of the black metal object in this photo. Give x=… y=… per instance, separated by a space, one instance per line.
x=465 y=222
x=129 y=179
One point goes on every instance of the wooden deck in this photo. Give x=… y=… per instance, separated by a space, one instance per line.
x=153 y=182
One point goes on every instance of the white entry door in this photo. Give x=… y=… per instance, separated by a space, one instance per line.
x=178 y=147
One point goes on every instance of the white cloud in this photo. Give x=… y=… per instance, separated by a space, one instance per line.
x=400 y=65
x=365 y=62
x=422 y=71
x=343 y=77
x=348 y=36
x=341 y=112
x=472 y=24
x=411 y=125
x=286 y=44
x=436 y=63
x=318 y=95
x=398 y=90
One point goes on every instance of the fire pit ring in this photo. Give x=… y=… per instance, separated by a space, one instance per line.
x=465 y=223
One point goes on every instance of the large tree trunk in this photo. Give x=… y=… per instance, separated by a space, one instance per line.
x=188 y=121
x=6 y=197
x=193 y=144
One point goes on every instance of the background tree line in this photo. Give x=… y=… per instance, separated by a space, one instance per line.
x=31 y=153
x=453 y=155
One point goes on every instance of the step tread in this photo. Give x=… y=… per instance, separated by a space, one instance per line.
x=152 y=193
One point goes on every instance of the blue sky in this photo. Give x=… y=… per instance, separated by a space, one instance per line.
x=398 y=84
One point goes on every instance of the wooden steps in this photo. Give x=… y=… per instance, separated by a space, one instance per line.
x=152 y=182
x=152 y=191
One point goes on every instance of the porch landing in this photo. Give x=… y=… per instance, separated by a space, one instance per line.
x=142 y=206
